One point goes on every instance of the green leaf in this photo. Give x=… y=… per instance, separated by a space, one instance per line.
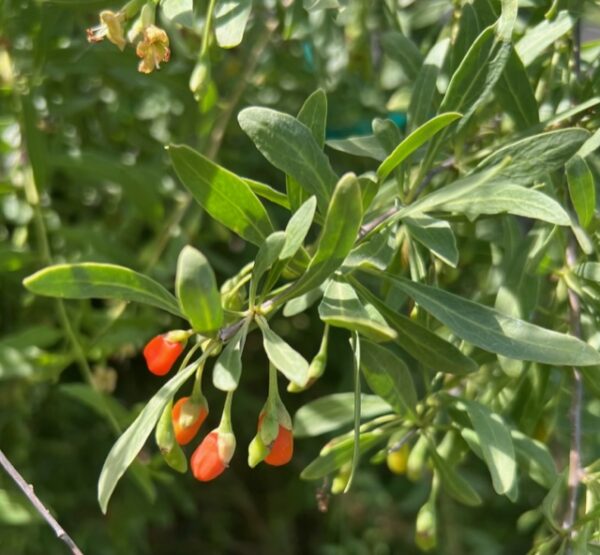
x=535 y=458
x=304 y=301
x=332 y=412
x=342 y=308
x=542 y=36
x=267 y=192
x=535 y=156
x=436 y=235
x=500 y=197
x=415 y=140
x=338 y=236
x=290 y=146
x=496 y=444
x=425 y=95
x=588 y=270
x=377 y=252
x=267 y=255
x=288 y=361
x=179 y=11
x=297 y=228
x=197 y=291
x=388 y=377
x=497 y=333
x=582 y=189
x=366 y=146
x=313 y=114
x=95 y=400
x=340 y=454
x=419 y=342
x=89 y=280
x=228 y=368
x=127 y=447
x=515 y=93
x=231 y=17
x=454 y=484
x=224 y=195
x=404 y=51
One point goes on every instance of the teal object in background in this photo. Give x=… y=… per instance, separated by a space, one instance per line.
x=363 y=127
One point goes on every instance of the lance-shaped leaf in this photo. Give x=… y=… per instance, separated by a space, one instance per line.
x=267 y=255
x=313 y=114
x=297 y=228
x=534 y=156
x=496 y=444
x=421 y=343
x=228 y=368
x=288 y=361
x=231 y=17
x=454 y=484
x=404 y=51
x=543 y=35
x=436 y=235
x=290 y=146
x=496 y=332
x=197 y=291
x=535 y=458
x=388 y=376
x=498 y=197
x=224 y=195
x=338 y=235
x=340 y=454
x=127 y=447
x=179 y=11
x=331 y=412
x=582 y=189
x=415 y=140
x=342 y=308
x=367 y=146
x=302 y=302
x=100 y=281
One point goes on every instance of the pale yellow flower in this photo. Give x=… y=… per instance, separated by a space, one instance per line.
x=153 y=49
x=111 y=27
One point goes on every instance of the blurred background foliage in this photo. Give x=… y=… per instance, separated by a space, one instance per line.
x=97 y=129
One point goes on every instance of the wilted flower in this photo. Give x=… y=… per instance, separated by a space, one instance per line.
x=111 y=27
x=153 y=49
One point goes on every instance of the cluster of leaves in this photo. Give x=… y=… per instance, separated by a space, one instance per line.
x=486 y=196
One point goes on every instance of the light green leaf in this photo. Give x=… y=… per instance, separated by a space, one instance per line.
x=499 y=197
x=535 y=458
x=515 y=93
x=340 y=454
x=297 y=228
x=267 y=192
x=342 y=308
x=388 y=377
x=228 y=368
x=290 y=146
x=453 y=483
x=224 y=195
x=313 y=114
x=331 y=412
x=421 y=343
x=588 y=270
x=496 y=444
x=197 y=291
x=415 y=140
x=424 y=93
x=436 y=235
x=582 y=189
x=338 y=236
x=179 y=11
x=543 y=35
x=304 y=301
x=288 y=361
x=89 y=280
x=376 y=252
x=404 y=51
x=231 y=17
x=536 y=155
x=127 y=447
x=367 y=146
x=267 y=255
x=495 y=332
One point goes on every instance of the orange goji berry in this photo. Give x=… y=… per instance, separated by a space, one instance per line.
x=212 y=456
x=186 y=425
x=161 y=353
x=282 y=448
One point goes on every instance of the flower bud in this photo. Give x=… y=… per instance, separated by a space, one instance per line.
x=161 y=353
x=188 y=415
x=212 y=456
x=200 y=78
x=426 y=528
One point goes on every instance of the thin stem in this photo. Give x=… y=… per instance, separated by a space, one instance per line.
x=27 y=489
x=225 y=424
x=207 y=27
x=575 y=472
x=273 y=384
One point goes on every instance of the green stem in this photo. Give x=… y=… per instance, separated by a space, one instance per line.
x=207 y=28
x=225 y=424
x=273 y=386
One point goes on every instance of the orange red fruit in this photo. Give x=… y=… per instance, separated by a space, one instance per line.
x=187 y=417
x=161 y=353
